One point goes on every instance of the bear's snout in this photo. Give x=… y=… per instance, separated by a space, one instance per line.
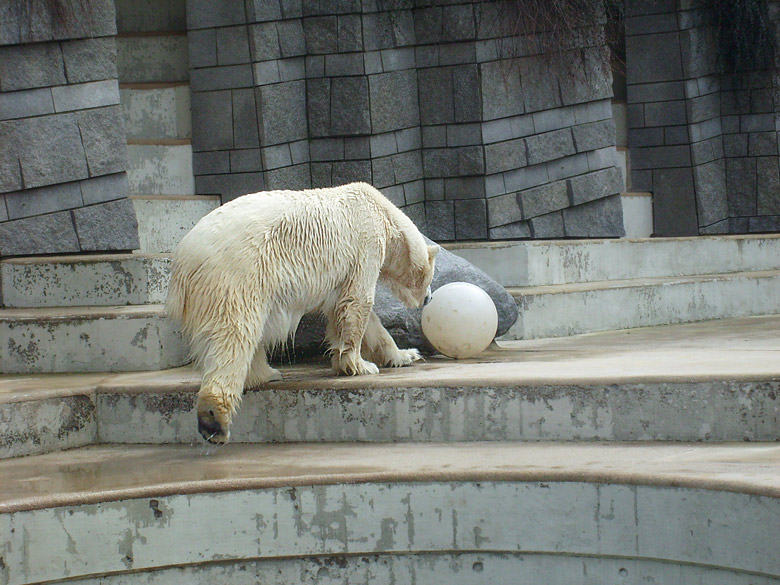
x=211 y=429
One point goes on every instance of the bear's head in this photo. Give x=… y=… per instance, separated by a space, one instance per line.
x=409 y=274
x=214 y=416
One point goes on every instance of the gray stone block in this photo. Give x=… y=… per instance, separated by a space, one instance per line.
x=602 y=218
x=592 y=111
x=597 y=185
x=43 y=200
x=26 y=104
x=395 y=193
x=494 y=185
x=711 y=198
x=43 y=234
x=440 y=219
x=656 y=157
x=282 y=108
x=458 y=23
x=665 y=113
x=350 y=171
x=296 y=177
x=212 y=120
x=202 y=45
x=292 y=40
x=318 y=101
x=10 y=170
x=464 y=188
x=437 y=98
x=674 y=205
x=568 y=166
x=654 y=58
x=464 y=134
x=428 y=25
x=341 y=64
x=505 y=156
x=426 y=56
x=656 y=92
x=554 y=119
x=263 y=10
x=232 y=45
x=640 y=137
x=394 y=101
x=408 y=139
x=544 y=199
x=762 y=144
x=768 y=187
x=594 y=135
x=641 y=181
x=86 y=19
x=208 y=14
x=350 y=33
x=3 y=210
x=502 y=210
x=698 y=58
x=388 y=29
x=264 y=42
x=416 y=212
x=216 y=78
x=315 y=66
x=50 y=150
x=349 y=106
x=245 y=126
x=321 y=174
x=300 y=151
x=757 y=123
x=735 y=145
x=548 y=226
x=327 y=149
x=211 y=163
x=702 y=108
x=540 y=89
x=274 y=157
x=372 y=62
x=105 y=188
x=229 y=186
x=652 y=23
x=134 y=16
x=407 y=166
x=526 y=178
x=761 y=101
x=246 y=161
x=434 y=189
x=466 y=97
x=321 y=35
x=513 y=231
x=414 y=192
x=502 y=91
x=735 y=102
x=104 y=139
x=89 y=59
x=741 y=186
x=471 y=219
x=31 y=66
x=85 y=95
x=549 y=146
x=457 y=54
x=704 y=130
x=707 y=150
x=602 y=158
x=674 y=135
x=763 y=225
x=110 y=226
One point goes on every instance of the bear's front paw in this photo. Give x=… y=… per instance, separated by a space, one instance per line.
x=354 y=367
x=404 y=357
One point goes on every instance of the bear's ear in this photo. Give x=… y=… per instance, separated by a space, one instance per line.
x=432 y=251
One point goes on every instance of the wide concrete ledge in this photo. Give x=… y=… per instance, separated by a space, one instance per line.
x=539 y=263
x=713 y=381
x=108 y=511
x=164 y=220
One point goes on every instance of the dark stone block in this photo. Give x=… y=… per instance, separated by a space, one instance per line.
x=640 y=137
x=544 y=199
x=292 y=40
x=416 y=212
x=592 y=186
x=464 y=188
x=665 y=114
x=245 y=161
x=654 y=58
x=202 y=45
x=212 y=120
x=229 y=186
x=502 y=91
x=656 y=157
x=768 y=176
x=757 y=225
x=703 y=108
x=104 y=140
x=675 y=135
x=735 y=145
x=208 y=14
x=296 y=177
x=351 y=171
x=43 y=200
x=707 y=150
x=274 y=157
x=327 y=149
x=110 y=226
x=594 y=135
x=458 y=23
x=503 y=210
x=43 y=234
x=440 y=218
x=602 y=218
x=505 y=156
x=10 y=171
x=540 y=89
x=735 y=102
x=388 y=29
x=513 y=231
x=428 y=25
x=656 y=92
x=211 y=163
x=349 y=106
x=394 y=101
x=245 y=133
x=568 y=166
x=89 y=59
x=407 y=166
x=232 y=45
x=264 y=10
x=674 y=205
x=105 y=188
x=318 y=94
x=711 y=193
x=470 y=219
x=30 y=66
x=549 y=146
x=698 y=58
x=264 y=42
x=437 y=96
x=763 y=144
x=22 y=22
x=641 y=181
x=282 y=108
x=761 y=101
x=350 y=33
x=741 y=186
x=653 y=23
x=635 y=116
x=548 y=226
x=757 y=123
x=465 y=81
x=414 y=192
x=341 y=64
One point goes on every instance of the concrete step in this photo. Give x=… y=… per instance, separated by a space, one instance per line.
x=164 y=221
x=89 y=339
x=710 y=382
x=75 y=281
x=571 y=309
x=161 y=167
x=152 y=57
x=156 y=111
x=539 y=263
x=426 y=514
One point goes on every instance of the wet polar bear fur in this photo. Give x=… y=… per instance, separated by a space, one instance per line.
x=248 y=271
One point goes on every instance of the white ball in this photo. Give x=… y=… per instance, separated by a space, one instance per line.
x=460 y=321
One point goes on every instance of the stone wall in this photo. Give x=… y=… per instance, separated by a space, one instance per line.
x=475 y=137
x=705 y=144
x=63 y=186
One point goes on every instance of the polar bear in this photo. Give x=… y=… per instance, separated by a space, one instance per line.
x=248 y=271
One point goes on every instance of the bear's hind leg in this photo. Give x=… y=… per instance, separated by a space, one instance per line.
x=260 y=372
x=380 y=347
